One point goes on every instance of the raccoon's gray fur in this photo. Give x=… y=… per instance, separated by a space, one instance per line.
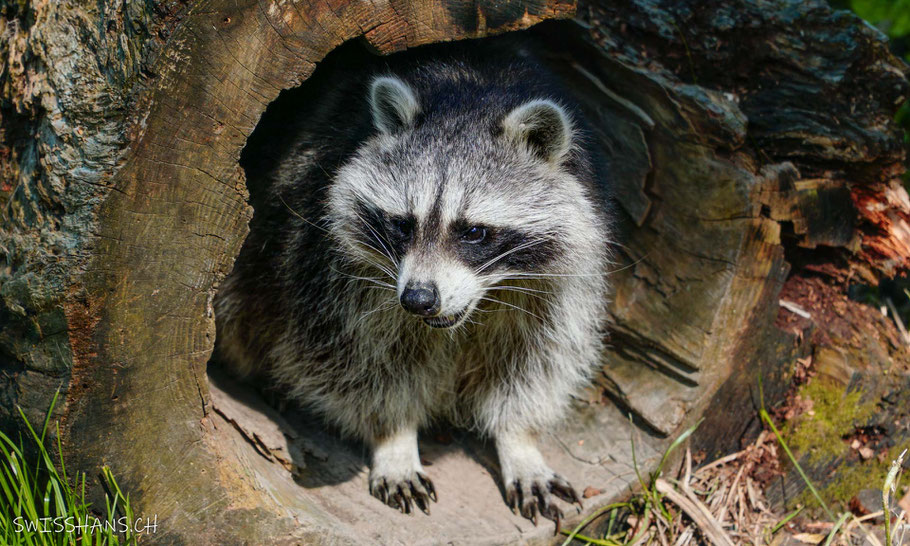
x=434 y=246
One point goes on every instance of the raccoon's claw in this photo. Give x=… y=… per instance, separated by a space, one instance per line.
x=532 y=497
x=428 y=486
x=380 y=491
x=403 y=498
x=401 y=494
x=564 y=490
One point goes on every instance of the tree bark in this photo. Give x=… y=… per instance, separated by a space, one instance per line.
x=753 y=153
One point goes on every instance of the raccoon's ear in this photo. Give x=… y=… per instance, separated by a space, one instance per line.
x=543 y=127
x=393 y=104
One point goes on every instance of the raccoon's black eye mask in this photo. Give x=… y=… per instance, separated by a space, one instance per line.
x=481 y=248
x=488 y=249
x=387 y=235
x=404 y=226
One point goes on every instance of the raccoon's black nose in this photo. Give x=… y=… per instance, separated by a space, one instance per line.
x=421 y=299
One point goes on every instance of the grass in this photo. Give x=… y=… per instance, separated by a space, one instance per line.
x=649 y=505
x=38 y=506
x=720 y=504
x=888 y=490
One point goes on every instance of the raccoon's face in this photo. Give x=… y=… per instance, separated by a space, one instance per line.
x=447 y=206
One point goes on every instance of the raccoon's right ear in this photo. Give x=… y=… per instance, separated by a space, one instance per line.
x=393 y=104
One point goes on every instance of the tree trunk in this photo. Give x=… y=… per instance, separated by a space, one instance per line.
x=755 y=160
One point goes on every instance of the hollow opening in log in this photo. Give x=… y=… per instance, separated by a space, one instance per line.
x=668 y=352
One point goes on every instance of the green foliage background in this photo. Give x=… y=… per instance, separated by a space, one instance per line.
x=893 y=18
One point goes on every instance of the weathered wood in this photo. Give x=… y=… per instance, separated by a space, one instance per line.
x=752 y=148
x=125 y=205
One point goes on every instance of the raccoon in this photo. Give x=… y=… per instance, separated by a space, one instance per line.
x=433 y=246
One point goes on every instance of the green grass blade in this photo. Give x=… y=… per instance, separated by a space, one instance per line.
x=890 y=486
x=840 y=521
x=597 y=513
x=676 y=443
x=47 y=418
x=767 y=419
x=786 y=520
x=36 y=487
x=592 y=540
x=613 y=514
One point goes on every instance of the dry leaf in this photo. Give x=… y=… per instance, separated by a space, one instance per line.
x=591 y=492
x=809 y=538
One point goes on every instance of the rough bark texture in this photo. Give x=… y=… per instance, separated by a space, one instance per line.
x=753 y=149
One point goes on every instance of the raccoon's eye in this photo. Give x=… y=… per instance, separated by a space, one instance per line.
x=403 y=226
x=474 y=234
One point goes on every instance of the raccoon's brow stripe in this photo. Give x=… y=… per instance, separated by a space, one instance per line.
x=433 y=223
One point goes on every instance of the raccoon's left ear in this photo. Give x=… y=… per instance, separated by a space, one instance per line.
x=392 y=103
x=543 y=127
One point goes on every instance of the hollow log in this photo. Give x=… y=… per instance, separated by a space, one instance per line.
x=753 y=156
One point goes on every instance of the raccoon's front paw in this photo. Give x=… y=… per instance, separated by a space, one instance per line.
x=530 y=495
x=399 y=492
x=396 y=476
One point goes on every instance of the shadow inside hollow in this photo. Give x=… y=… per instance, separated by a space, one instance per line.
x=320 y=454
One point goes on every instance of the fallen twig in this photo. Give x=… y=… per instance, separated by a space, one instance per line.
x=696 y=511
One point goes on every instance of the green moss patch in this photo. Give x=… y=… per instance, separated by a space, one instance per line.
x=818 y=433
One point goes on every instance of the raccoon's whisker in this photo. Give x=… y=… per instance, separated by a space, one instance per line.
x=380 y=252
x=539 y=294
x=373 y=280
x=494 y=310
x=462 y=328
x=522 y=246
x=321 y=168
x=513 y=288
x=379 y=265
x=388 y=272
x=298 y=215
x=518 y=275
x=381 y=307
x=522 y=276
x=380 y=286
x=373 y=284
x=523 y=288
x=510 y=305
x=381 y=240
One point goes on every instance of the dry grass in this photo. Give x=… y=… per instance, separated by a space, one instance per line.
x=723 y=503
